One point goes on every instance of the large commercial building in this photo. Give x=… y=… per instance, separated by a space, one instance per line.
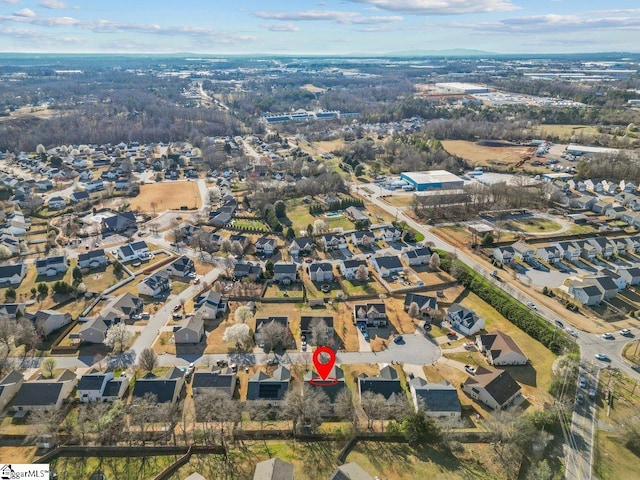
x=461 y=87
x=433 y=180
x=576 y=149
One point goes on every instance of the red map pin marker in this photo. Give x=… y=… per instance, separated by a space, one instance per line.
x=324 y=369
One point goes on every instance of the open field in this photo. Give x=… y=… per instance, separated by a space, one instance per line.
x=23 y=454
x=612 y=459
x=532 y=225
x=309 y=87
x=298 y=214
x=481 y=155
x=72 y=468
x=566 y=132
x=167 y=196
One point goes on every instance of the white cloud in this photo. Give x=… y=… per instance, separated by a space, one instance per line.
x=338 y=16
x=441 y=7
x=281 y=27
x=12 y=2
x=25 y=12
x=53 y=4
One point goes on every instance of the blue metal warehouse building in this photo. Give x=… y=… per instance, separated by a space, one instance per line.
x=433 y=180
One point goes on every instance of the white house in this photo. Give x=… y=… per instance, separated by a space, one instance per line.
x=522 y=251
x=363 y=238
x=549 y=254
x=372 y=314
x=387 y=265
x=417 y=256
x=349 y=267
x=45 y=393
x=48 y=321
x=51 y=266
x=93 y=259
x=630 y=274
x=436 y=400
x=321 y=272
x=155 y=286
x=332 y=242
x=504 y=254
x=191 y=331
x=12 y=275
x=464 y=320
x=134 y=251
x=96 y=386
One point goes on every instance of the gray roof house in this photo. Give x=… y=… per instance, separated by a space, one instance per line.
x=191 y=331
x=93 y=259
x=504 y=254
x=51 y=266
x=501 y=349
x=45 y=393
x=12 y=275
x=285 y=272
x=350 y=471
x=263 y=387
x=417 y=256
x=181 y=267
x=387 y=265
x=373 y=314
x=97 y=386
x=586 y=294
x=427 y=305
x=273 y=469
x=496 y=389
x=165 y=389
x=321 y=272
x=435 y=399
x=12 y=311
x=120 y=222
x=630 y=274
x=464 y=319
x=157 y=286
x=219 y=380
x=9 y=386
x=211 y=304
x=48 y=321
x=123 y=307
x=332 y=391
x=386 y=384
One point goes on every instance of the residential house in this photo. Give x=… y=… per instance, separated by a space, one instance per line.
x=464 y=320
x=600 y=207
x=587 y=250
x=388 y=234
x=550 y=254
x=56 y=203
x=615 y=212
x=266 y=246
x=501 y=349
x=247 y=270
x=364 y=238
x=191 y=331
x=221 y=380
x=94 y=186
x=81 y=196
x=272 y=389
x=119 y=223
x=590 y=185
x=122 y=184
x=426 y=304
x=100 y=387
x=607 y=286
x=522 y=251
x=619 y=280
x=373 y=314
x=45 y=393
x=321 y=272
x=157 y=286
x=300 y=246
x=165 y=389
x=285 y=272
x=9 y=386
x=123 y=307
x=356 y=215
x=210 y=305
x=628 y=187
x=134 y=251
x=306 y=322
x=625 y=198
x=631 y=218
x=387 y=265
x=335 y=376
x=630 y=274
x=633 y=244
x=417 y=256
x=11 y=242
x=609 y=187
x=94 y=330
x=586 y=294
x=273 y=469
x=51 y=266
x=12 y=275
x=436 y=400
x=48 y=321
x=576 y=185
x=93 y=259
x=261 y=322
x=386 y=384
x=602 y=245
x=44 y=185
x=12 y=311
x=332 y=242
x=504 y=254
x=350 y=471
x=583 y=202
x=496 y=389
x=349 y=267
x=181 y=267
x=620 y=246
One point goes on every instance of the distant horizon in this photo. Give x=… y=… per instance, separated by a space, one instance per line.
x=317 y=28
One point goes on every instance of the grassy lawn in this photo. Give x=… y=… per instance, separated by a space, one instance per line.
x=533 y=225
x=481 y=155
x=612 y=460
x=276 y=291
x=298 y=214
x=73 y=468
x=314 y=289
x=394 y=461
x=567 y=132
x=354 y=287
x=252 y=224
x=534 y=378
x=163 y=196
x=99 y=280
x=632 y=352
x=399 y=200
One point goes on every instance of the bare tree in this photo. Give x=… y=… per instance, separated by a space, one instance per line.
x=304 y=407
x=362 y=273
x=118 y=337
x=7 y=331
x=434 y=261
x=319 y=227
x=372 y=404
x=215 y=410
x=243 y=314
x=414 y=310
x=48 y=367
x=148 y=360
x=27 y=335
x=344 y=408
x=319 y=331
x=236 y=248
x=274 y=334
x=260 y=411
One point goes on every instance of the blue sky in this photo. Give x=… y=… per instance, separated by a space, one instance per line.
x=316 y=27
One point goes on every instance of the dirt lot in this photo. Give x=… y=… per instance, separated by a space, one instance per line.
x=309 y=87
x=480 y=155
x=167 y=196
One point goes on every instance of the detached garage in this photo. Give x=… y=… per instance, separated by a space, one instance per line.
x=433 y=180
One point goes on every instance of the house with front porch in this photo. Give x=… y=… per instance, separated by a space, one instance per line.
x=373 y=314
x=364 y=238
x=464 y=320
x=427 y=305
x=504 y=254
x=549 y=254
x=52 y=266
x=300 y=246
x=349 y=267
x=332 y=242
x=522 y=251
x=320 y=272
